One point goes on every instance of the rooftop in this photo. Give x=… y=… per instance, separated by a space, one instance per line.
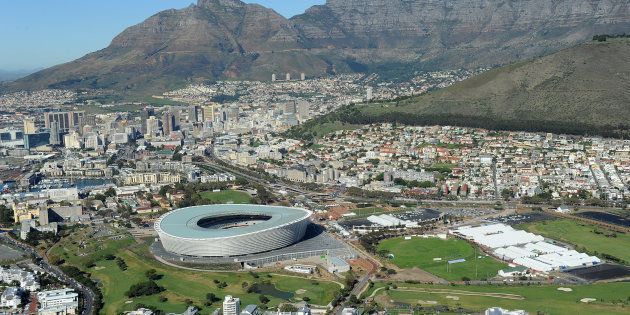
x=193 y=222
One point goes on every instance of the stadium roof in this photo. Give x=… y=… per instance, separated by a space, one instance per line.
x=183 y=222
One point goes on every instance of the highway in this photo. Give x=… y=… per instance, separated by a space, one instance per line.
x=86 y=293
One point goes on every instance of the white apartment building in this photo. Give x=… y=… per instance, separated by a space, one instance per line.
x=231 y=305
x=65 y=301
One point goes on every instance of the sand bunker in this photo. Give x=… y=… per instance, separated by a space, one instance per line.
x=565 y=289
x=588 y=300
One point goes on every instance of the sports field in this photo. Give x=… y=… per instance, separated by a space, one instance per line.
x=180 y=284
x=366 y=212
x=433 y=254
x=608 y=298
x=593 y=239
x=227 y=196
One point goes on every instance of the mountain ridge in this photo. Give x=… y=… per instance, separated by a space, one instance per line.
x=579 y=90
x=229 y=39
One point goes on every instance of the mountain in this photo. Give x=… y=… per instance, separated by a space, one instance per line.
x=581 y=90
x=6 y=75
x=218 y=39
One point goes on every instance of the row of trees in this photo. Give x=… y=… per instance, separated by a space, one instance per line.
x=354 y=116
x=604 y=37
x=6 y=216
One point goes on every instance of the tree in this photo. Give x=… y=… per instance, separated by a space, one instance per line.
x=263 y=299
x=110 y=192
x=211 y=298
x=288 y=308
x=6 y=216
x=144 y=289
x=153 y=275
x=264 y=195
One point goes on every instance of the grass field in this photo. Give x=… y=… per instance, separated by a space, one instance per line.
x=180 y=284
x=610 y=298
x=590 y=237
x=366 y=212
x=227 y=196
x=421 y=252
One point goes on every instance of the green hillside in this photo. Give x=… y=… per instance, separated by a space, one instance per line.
x=580 y=90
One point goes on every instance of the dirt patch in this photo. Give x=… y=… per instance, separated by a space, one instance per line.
x=300 y=291
x=361 y=264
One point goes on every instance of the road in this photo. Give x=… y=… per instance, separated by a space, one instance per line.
x=214 y=164
x=86 y=293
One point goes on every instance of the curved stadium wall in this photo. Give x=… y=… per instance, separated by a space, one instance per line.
x=184 y=231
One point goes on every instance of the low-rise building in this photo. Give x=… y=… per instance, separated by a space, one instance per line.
x=63 y=301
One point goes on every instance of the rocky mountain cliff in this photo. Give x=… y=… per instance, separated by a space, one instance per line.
x=230 y=39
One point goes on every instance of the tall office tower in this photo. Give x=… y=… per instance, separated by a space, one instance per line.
x=144 y=115
x=65 y=120
x=288 y=76
x=195 y=114
x=234 y=112
x=225 y=115
x=55 y=133
x=369 y=96
x=29 y=126
x=302 y=76
x=303 y=109
x=289 y=107
x=168 y=123
x=208 y=112
x=273 y=77
x=72 y=140
x=153 y=127
x=231 y=305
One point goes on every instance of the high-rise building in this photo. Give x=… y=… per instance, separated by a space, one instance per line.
x=208 y=112
x=369 y=96
x=273 y=77
x=195 y=114
x=65 y=120
x=304 y=110
x=289 y=108
x=153 y=127
x=90 y=140
x=144 y=115
x=36 y=139
x=72 y=140
x=55 y=133
x=302 y=76
x=168 y=123
x=231 y=305
x=288 y=77
x=29 y=126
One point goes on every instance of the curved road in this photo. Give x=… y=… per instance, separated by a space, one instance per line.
x=86 y=293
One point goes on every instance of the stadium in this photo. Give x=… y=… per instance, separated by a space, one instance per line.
x=230 y=230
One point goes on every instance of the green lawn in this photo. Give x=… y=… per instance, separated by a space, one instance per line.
x=366 y=212
x=227 y=196
x=180 y=284
x=421 y=252
x=611 y=298
x=584 y=236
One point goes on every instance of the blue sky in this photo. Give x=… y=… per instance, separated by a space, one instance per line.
x=42 y=33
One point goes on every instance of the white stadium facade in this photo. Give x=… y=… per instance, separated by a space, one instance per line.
x=230 y=230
